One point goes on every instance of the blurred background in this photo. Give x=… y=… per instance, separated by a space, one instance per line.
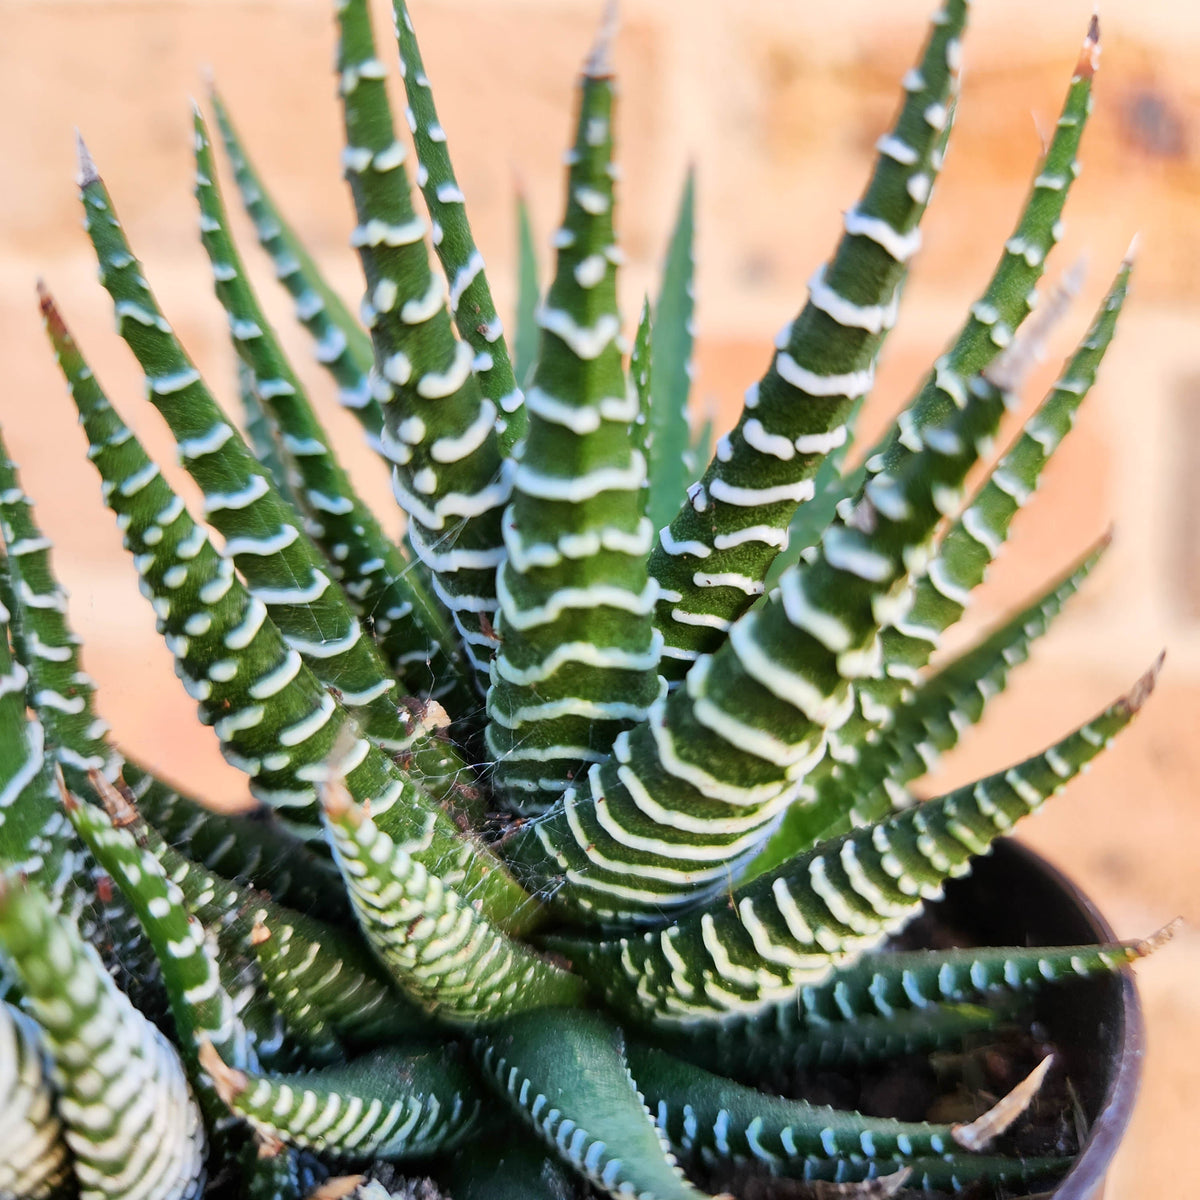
x=778 y=104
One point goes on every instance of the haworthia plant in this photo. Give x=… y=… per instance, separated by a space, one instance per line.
x=583 y=815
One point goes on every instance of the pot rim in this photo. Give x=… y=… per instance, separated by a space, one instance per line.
x=1085 y=1179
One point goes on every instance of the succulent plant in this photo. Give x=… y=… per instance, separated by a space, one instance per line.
x=586 y=807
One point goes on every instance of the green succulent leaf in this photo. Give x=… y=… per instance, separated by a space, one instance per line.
x=641 y=374
x=327 y=991
x=34 y=1159
x=270 y=713
x=926 y=724
x=941 y=594
x=956 y=696
x=59 y=689
x=200 y=1003
x=441 y=952
x=1011 y=292
x=711 y=1119
x=262 y=436
x=529 y=293
x=569 y=1080
x=409 y=629
x=891 y=1003
x=395 y=1104
x=283 y=569
x=818 y=912
x=449 y=478
x=669 y=434
x=342 y=347
x=35 y=839
x=577 y=658
x=710 y=562
x=830 y=488
x=470 y=295
x=689 y=796
x=32 y=839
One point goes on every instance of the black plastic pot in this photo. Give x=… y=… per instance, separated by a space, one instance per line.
x=1014 y=897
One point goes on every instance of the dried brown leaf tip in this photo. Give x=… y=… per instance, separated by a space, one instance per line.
x=981 y=1132
x=69 y=801
x=1089 y=55
x=1147 y=946
x=600 y=63
x=116 y=803
x=338 y=1187
x=267 y=1146
x=868 y=1189
x=335 y=797
x=87 y=167
x=60 y=335
x=423 y=715
x=230 y=1083
x=1140 y=692
x=337 y=801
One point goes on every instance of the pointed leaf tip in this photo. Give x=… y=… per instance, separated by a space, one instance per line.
x=1089 y=54
x=1140 y=692
x=337 y=801
x=879 y=1188
x=45 y=300
x=981 y=1132
x=1135 y=244
x=119 y=807
x=1012 y=368
x=56 y=327
x=1147 y=946
x=87 y=165
x=230 y=1083
x=337 y=1187
x=1074 y=276
x=600 y=63
x=332 y=792
x=69 y=801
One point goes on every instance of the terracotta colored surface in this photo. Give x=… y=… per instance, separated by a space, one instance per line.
x=778 y=104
